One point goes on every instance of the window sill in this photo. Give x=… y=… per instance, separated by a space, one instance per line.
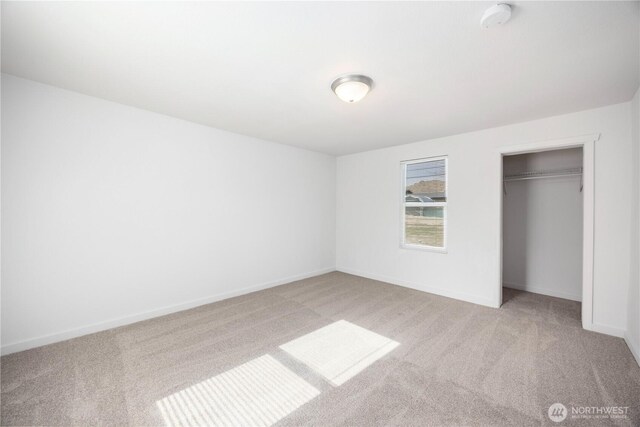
x=424 y=248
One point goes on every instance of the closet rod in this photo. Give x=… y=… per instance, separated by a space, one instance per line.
x=543 y=174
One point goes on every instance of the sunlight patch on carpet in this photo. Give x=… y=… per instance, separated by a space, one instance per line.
x=339 y=351
x=258 y=393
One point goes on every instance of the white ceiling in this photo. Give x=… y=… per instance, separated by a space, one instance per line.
x=264 y=69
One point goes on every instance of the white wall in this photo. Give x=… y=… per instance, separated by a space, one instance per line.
x=368 y=211
x=542 y=226
x=112 y=214
x=633 y=321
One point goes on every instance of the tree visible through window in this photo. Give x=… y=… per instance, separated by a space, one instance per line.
x=425 y=202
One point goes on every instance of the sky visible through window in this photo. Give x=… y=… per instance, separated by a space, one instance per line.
x=432 y=170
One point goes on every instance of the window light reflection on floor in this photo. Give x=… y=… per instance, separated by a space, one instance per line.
x=257 y=393
x=339 y=351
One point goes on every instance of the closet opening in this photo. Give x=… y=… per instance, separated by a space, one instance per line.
x=543 y=228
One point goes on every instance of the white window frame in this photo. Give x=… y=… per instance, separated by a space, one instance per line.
x=404 y=204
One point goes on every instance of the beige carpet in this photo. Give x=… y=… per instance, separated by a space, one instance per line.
x=330 y=350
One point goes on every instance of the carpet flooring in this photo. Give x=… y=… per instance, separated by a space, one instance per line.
x=331 y=350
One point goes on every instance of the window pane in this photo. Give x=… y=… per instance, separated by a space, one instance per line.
x=424 y=226
x=426 y=182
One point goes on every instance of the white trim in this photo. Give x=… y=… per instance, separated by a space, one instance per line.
x=543 y=291
x=607 y=330
x=463 y=296
x=126 y=320
x=588 y=203
x=425 y=204
x=553 y=144
x=425 y=159
x=587 y=143
x=404 y=204
x=425 y=248
x=634 y=350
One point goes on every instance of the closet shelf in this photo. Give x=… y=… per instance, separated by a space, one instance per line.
x=543 y=174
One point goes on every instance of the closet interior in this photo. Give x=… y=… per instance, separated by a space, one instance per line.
x=542 y=223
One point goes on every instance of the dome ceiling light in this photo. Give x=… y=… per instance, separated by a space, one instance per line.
x=352 y=88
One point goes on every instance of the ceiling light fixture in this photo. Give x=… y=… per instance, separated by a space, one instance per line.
x=352 y=88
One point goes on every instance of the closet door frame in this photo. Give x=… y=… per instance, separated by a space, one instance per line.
x=587 y=143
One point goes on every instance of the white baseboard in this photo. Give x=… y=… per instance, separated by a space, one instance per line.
x=607 y=330
x=126 y=320
x=634 y=350
x=544 y=291
x=475 y=299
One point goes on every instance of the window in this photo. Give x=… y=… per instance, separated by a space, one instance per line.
x=424 y=203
